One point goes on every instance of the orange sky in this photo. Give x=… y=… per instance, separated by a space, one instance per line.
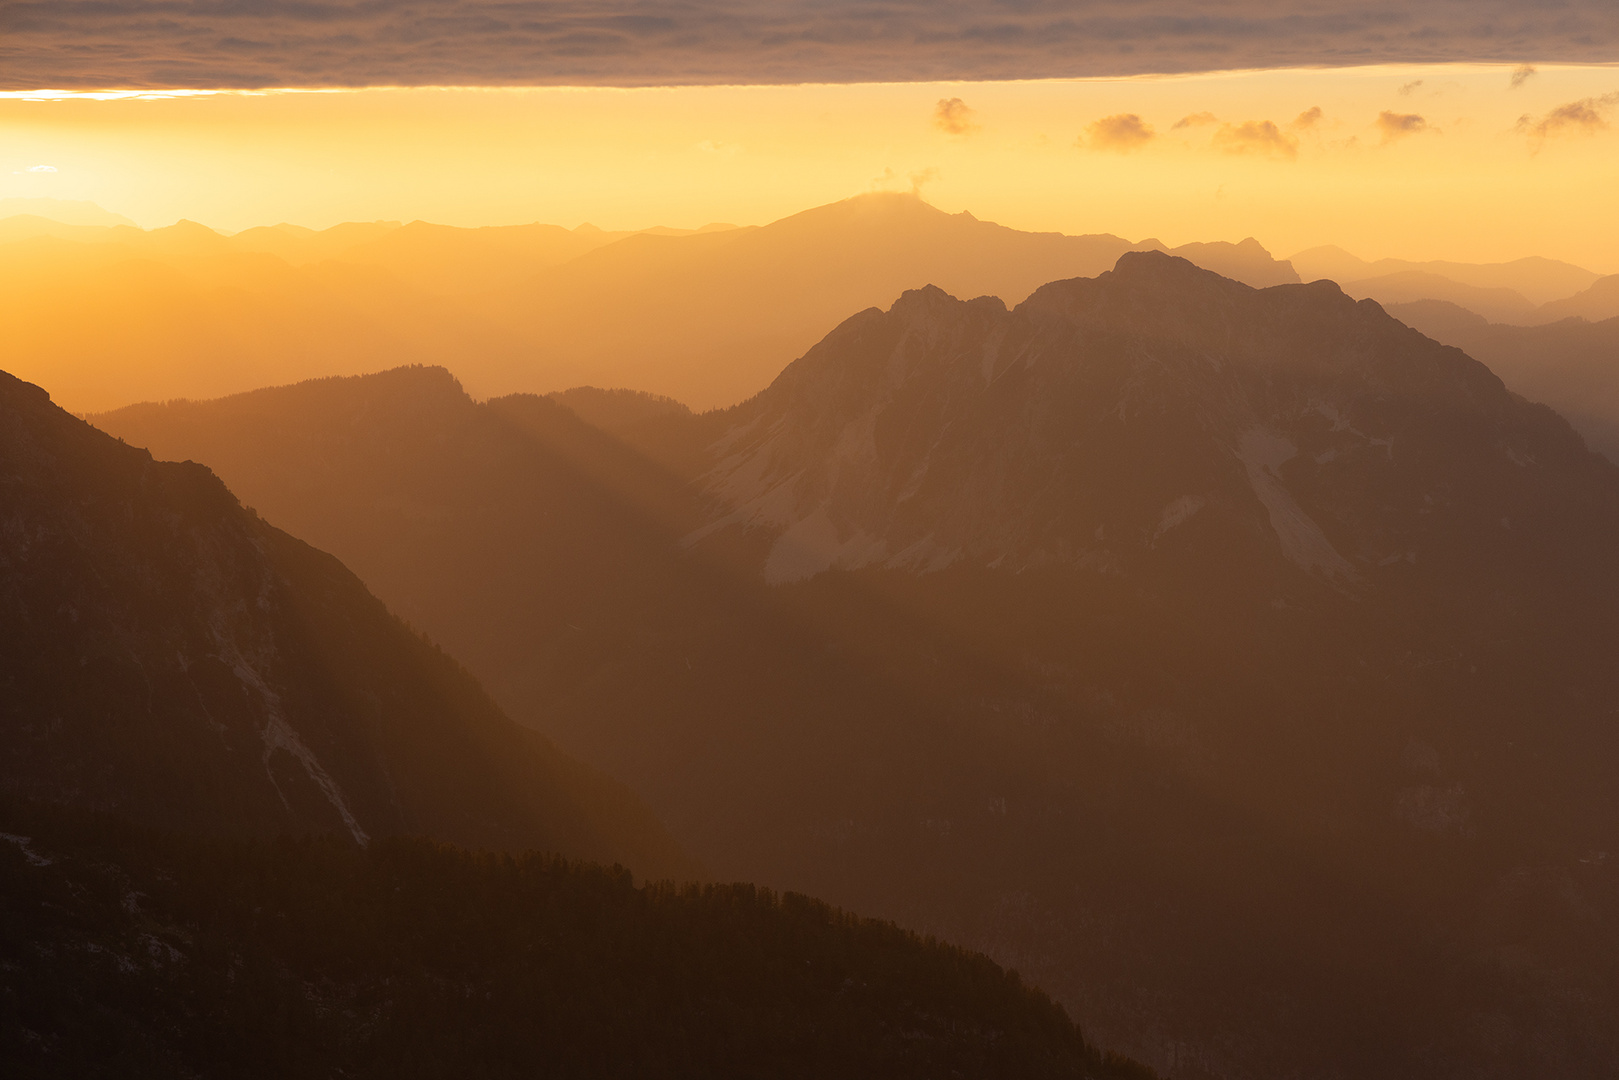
x=1490 y=171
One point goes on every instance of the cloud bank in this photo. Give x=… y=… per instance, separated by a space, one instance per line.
x=102 y=44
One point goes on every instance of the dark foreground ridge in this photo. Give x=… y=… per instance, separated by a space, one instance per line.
x=128 y=954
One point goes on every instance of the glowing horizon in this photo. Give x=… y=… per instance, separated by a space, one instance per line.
x=1217 y=156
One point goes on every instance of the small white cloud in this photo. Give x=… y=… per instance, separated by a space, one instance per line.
x=41 y=168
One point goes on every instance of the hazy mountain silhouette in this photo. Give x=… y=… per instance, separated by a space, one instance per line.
x=1596 y=304
x=1235 y=663
x=1539 y=280
x=66 y=211
x=717 y=315
x=111 y=315
x=1571 y=365
x=1247 y=262
x=436 y=258
x=171 y=658
x=1407 y=286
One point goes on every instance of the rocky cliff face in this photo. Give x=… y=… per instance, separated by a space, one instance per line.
x=170 y=657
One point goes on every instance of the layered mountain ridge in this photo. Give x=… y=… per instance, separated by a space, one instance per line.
x=112 y=315
x=1231 y=661
x=171 y=658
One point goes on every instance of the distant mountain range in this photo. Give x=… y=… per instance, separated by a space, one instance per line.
x=112 y=315
x=1236 y=663
x=109 y=314
x=1523 y=292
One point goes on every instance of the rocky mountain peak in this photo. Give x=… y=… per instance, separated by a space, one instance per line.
x=1156 y=408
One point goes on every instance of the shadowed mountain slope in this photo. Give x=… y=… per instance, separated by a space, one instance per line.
x=171 y=658
x=1235 y=663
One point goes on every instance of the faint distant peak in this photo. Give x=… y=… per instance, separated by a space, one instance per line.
x=186 y=228
x=62 y=211
x=898 y=205
x=1247 y=261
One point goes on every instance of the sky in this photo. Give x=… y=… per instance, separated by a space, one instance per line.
x=1470 y=161
x=1478 y=130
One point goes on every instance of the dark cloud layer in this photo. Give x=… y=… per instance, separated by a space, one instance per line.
x=256 y=43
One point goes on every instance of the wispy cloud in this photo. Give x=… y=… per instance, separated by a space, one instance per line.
x=1409 y=88
x=954 y=117
x=1583 y=117
x=1520 y=75
x=1396 y=126
x=1120 y=133
x=1201 y=119
x=1259 y=137
x=41 y=168
x=1308 y=119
